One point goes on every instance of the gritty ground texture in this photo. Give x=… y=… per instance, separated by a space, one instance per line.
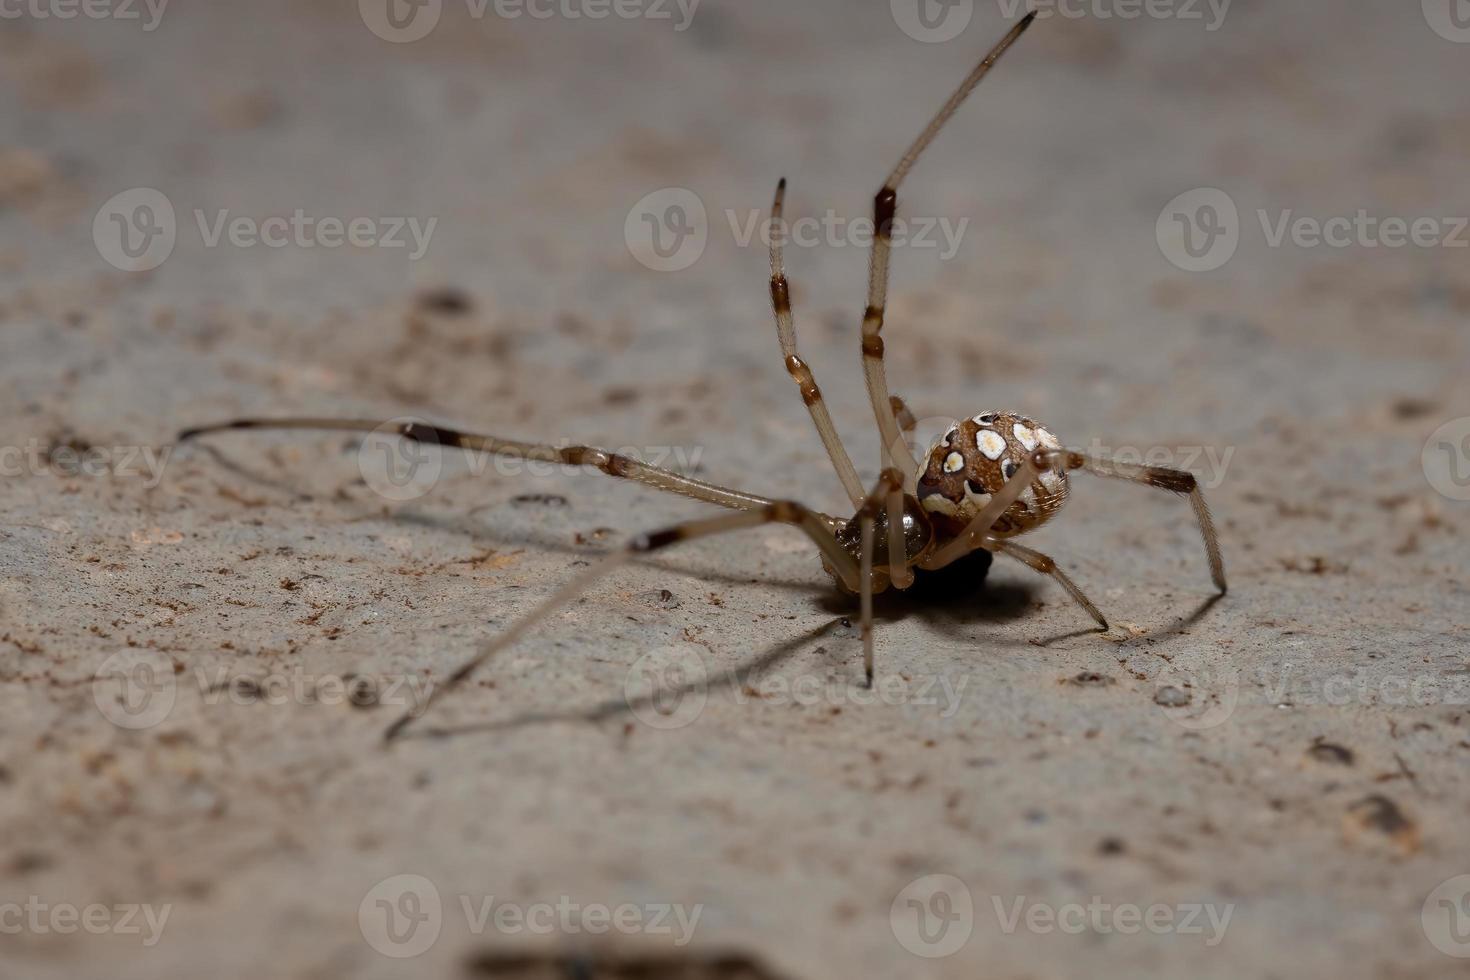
x=1293 y=756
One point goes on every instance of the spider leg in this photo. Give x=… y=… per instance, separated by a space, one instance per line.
x=898 y=572
x=1046 y=566
x=796 y=367
x=885 y=208
x=890 y=481
x=610 y=463
x=1175 y=481
x=906 y=421
x=813 y=524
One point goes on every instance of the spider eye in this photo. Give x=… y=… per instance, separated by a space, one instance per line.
x=1008 y=468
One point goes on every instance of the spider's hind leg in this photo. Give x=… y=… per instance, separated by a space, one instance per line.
x=1046 y=565
x=811 y=523
x=1164 y=478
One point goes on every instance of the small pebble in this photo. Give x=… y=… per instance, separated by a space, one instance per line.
x=1172 y=697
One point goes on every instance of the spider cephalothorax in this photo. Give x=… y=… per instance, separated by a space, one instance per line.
x=974 y=459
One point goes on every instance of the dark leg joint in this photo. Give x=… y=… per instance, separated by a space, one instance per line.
x=785 y=512
x=1176 y=481
x=873 y=345
x=419 y=432
x=188 y=434
x=780 y=294
x=656 y=540
x=885 y=206
x=617 y=465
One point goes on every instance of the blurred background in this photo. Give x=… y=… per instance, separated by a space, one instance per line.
x=1220 y=234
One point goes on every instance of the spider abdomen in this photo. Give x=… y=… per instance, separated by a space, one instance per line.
x=973 y=459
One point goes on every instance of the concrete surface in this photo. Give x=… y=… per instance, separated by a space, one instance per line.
x=1291 y=760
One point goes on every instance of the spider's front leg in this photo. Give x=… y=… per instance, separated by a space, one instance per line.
x=885 y=211
x=610 y=463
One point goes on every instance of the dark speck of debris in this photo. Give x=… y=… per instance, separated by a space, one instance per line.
x=1111 y=846
x=28 y=862
x=64 y=454
x=1413 y=408
x=539 y=499
x=1089 y=678
x=1172 y=697
x=662 y=598
x=446 y=300
x=620 y=396
x=1330 y=753
x=1378 y=812
x=362 y=692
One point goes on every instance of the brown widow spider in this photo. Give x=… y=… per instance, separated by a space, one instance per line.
x=988 y=479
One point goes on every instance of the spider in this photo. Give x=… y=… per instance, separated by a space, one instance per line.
x=987 y=480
